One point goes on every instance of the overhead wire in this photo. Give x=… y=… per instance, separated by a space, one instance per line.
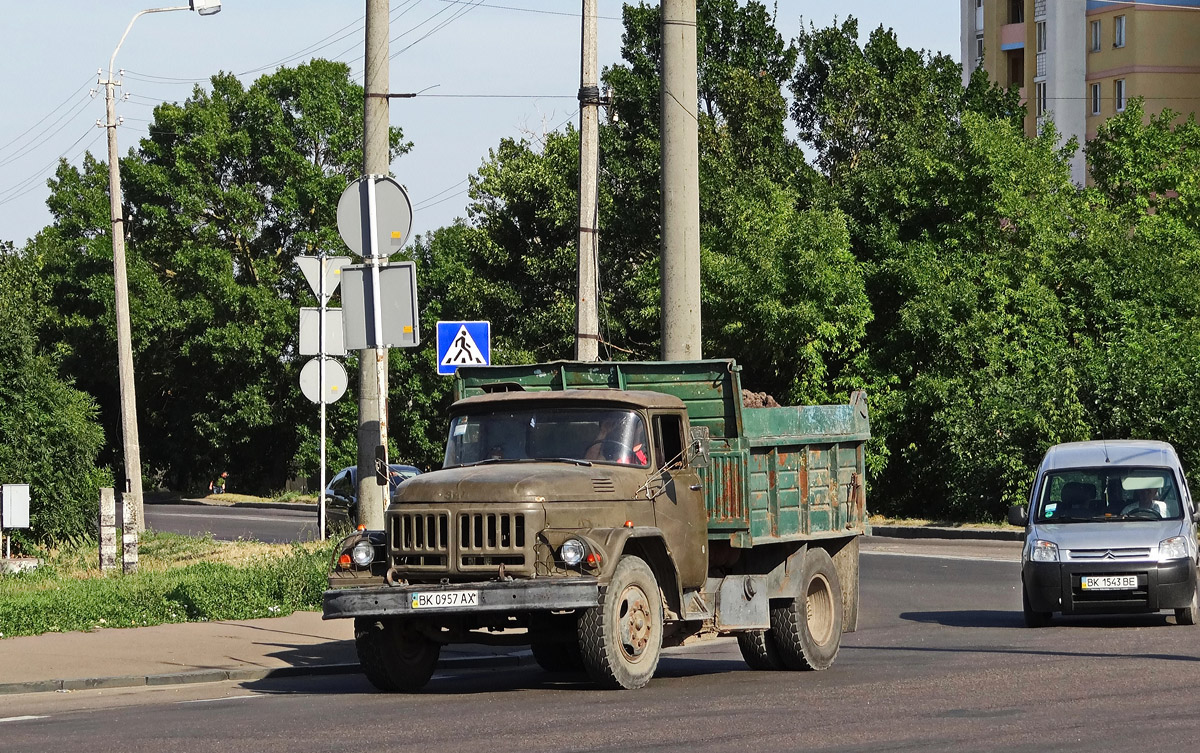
x=26 y=185
x=15 y=141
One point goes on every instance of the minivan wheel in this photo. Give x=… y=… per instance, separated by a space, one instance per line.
x=1033 y=619
x=1189 y=614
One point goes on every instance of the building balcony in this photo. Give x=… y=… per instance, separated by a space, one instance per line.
x=1012 y=36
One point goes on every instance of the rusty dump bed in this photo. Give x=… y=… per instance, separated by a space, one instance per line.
x=777 y=474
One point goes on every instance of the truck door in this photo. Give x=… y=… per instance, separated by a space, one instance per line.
x=679 y=508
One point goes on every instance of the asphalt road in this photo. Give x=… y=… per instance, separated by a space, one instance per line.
x=273 y=526
x=941 y=662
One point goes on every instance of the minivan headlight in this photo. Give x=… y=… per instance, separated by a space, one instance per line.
x=1174 y=548
x=1043 y=551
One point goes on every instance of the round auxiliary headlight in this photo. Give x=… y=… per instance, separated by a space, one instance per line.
x=572 y=551
x=362 y=553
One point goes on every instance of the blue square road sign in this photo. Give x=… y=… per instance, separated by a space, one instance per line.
x=463 y=344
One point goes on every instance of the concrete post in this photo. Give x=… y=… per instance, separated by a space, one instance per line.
x=680 y=185
x=108 y=530
x=129 y=541
x=373 y=362
x=587 y=319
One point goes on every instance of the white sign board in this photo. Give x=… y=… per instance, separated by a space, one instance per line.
x=398 y=307
x=14 y=501
x=310 y=332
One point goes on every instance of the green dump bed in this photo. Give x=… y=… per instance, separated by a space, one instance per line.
x=777 y=474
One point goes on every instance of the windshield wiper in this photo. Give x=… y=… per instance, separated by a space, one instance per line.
x=485 y=461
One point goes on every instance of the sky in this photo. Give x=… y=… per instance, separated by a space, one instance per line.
x=488 y=69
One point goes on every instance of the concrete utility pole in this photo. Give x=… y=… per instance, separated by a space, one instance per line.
x=373 y=362
x=129 y=428
x=587 y=320
x=680 y=185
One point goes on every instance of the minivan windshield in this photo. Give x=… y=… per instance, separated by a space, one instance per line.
x=1082 y=495
x=598 y=435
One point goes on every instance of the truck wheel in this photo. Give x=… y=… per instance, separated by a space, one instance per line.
x=556 y=657
x=758 y=649
x=1188 y=615
x=808 y=629
x=393 y=656
x=1035 y=619
x=621 y=639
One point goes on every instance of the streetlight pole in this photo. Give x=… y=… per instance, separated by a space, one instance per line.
x=129 y=428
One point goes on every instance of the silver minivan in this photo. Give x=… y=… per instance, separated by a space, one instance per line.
x=1110 y=527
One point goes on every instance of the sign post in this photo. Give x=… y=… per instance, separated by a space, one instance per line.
x=321 y=267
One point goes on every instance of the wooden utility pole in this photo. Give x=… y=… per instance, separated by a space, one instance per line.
x=373 y=362
x=587 y=319
x=680 y=185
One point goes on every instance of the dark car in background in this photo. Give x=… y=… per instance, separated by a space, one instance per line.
x=341 y=494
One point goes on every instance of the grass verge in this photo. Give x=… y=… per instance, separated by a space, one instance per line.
x=180 y=579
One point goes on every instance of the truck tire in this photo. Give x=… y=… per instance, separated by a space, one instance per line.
x=621 y=639
x=393 y=656
x=808 y=629
x=557 y=657
x=759 y=651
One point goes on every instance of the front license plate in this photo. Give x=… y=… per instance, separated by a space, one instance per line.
x=443 y=599
x=1109 y=582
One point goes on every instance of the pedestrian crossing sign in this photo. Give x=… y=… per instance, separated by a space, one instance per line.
x=463 y=344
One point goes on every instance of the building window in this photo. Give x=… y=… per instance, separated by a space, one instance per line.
x=1095 y=99
x=978 y=50
x=1095 y=37
x=1016 y=11
x=1040 y=94
x=978 y=15
x=1041 y=36
x=1119 y=94
x=1119 y=31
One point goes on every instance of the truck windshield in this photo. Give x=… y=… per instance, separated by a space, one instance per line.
x=595 y=435
x=1081 y=495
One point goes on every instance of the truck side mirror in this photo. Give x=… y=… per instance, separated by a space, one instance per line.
x=701 y=448
x=1018 y=515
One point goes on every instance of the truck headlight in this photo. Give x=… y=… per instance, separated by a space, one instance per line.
x=572 y=551
x=1174 y=548
x=362 y=553
x=1043 y=551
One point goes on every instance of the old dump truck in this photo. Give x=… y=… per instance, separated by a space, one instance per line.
x=601 y=511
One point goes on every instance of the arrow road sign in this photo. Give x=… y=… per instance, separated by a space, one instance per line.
x=463 y=344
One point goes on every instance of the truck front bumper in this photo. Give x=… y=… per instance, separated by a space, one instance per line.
x=542 y=594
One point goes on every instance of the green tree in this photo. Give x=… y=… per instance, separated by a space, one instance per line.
x=229 y=187
x=49 y=437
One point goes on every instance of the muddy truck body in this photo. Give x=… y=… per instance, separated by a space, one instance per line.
x=601 y=511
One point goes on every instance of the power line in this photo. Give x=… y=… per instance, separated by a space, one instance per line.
x=65 y=120
x=531 y=10
x=8 y=194
x=16 y=141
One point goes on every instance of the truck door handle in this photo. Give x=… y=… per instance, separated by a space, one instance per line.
x=695 y=487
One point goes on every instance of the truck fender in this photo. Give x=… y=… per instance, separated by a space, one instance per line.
x=648 y=543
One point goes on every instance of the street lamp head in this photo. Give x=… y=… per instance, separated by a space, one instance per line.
x=206 y=7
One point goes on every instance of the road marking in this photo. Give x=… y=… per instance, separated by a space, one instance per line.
x=1016 y=558
x=227 y=698
x=20 y=718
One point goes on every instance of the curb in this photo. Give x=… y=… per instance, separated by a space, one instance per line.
x=942 y=532
x=304 y=506
x=516 y=659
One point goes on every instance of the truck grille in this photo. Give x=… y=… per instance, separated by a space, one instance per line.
x=462 y=541
x=421 y=540
x=489 y=539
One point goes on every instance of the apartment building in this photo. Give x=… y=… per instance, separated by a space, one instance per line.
x=1079 y=61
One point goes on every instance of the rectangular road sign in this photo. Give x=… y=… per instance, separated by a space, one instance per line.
x=310 y=334
x=398 y=304
x=463 y=344
x=15 y=500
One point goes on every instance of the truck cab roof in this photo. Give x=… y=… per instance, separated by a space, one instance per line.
x=644 y=399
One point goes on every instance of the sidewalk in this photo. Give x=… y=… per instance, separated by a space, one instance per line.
x=299 y=644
